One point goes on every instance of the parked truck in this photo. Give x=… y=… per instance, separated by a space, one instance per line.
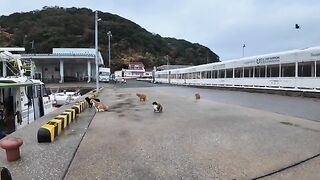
x=104 y=74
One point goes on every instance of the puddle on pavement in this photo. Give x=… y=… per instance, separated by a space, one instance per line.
x=121 y=115
x=296 y=125
x=288 y=123
x=119 y=96
x=124 y=133
x=122 y=106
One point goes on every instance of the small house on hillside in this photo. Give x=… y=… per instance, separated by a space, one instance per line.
x=136 y=66
x=135 y=69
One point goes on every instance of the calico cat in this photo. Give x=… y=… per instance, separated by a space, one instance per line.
x=99 y=105
x=157 y=107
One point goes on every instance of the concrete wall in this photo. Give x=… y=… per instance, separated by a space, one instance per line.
x=50 y=72
x=75 y=72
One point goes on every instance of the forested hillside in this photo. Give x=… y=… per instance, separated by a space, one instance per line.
x=74 y=27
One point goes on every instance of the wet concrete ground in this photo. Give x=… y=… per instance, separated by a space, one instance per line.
x=206 y=139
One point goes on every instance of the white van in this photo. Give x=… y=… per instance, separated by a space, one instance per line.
x=104 y=74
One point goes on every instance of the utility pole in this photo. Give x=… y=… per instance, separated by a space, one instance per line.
x=167 y=58
x=96 y=48
x=109 y=36
x=207 y=58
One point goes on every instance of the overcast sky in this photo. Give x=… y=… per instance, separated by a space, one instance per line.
x=264 y=26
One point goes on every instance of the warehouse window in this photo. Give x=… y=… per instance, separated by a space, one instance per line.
x=248 y=72
x=204 y=75
x=229 y=73
x=306 y=69
x=260 y=71
x=238 y=72
x=288 y=70
x=318 y=69
x=214 y=74
x=221 y=73
x=273 y=71
x=198 y=75
x=209 y=74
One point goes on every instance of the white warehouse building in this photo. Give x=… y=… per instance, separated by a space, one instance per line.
x=64 y=64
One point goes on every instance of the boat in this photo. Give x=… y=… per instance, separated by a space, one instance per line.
x=65 y=97
x=22 y=99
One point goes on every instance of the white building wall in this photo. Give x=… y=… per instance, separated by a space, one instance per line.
x=118 y=73
x=49 y=72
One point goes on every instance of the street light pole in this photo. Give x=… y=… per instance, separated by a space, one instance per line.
x=109 y=36
x=167 y=57
x=32 y=46
x=96 y=48
x=244 y=45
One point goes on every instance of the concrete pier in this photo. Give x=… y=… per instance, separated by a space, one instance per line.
x=49 y=161
x=190 y=140
x=204 y=139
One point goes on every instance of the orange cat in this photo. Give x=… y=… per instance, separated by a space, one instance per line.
x=99 y=105
x=142 y=97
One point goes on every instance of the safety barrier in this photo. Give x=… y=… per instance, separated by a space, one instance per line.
x=49 y=131
x=73 y=113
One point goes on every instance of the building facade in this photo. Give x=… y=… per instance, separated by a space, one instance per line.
x=135 y=69
x=64 y=65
